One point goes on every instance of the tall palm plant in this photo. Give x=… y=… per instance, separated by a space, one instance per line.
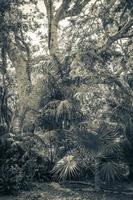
x=106 y=149
x=123 y=115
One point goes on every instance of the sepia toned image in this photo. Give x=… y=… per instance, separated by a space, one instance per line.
x=66 y=99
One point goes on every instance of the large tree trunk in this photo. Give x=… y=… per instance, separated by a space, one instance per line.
x=54 y=18
x=22 y=69
x=29 y=97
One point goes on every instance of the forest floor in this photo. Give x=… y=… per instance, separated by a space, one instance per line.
x=55 y=191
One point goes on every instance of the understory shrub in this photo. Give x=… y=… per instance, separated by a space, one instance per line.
x=10 y=178
x=43 y=170
x=20 y=165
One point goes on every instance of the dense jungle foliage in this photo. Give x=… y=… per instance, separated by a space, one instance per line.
x=66 y=92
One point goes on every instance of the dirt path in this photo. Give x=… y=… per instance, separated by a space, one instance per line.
x=54 y=191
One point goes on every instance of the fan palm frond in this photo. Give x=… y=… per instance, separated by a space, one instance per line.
x=109 y=171
x=112 y=148
x=109 y=133
x=65 y=168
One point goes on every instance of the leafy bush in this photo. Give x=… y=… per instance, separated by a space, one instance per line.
x=43 y=170
x=21 y=165
x=10 y=178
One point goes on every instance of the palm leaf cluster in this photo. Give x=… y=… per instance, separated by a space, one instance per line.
x=123 y=115
x=66 y=168
x=103 y=145
x=110 y=171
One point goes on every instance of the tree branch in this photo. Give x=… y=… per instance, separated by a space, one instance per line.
x=64 y=10
x=120 y=34
x=77 y=8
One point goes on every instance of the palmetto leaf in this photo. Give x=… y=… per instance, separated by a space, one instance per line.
x=112 y=148
x=109 y=171
x=109 y=135
x=65 y=168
